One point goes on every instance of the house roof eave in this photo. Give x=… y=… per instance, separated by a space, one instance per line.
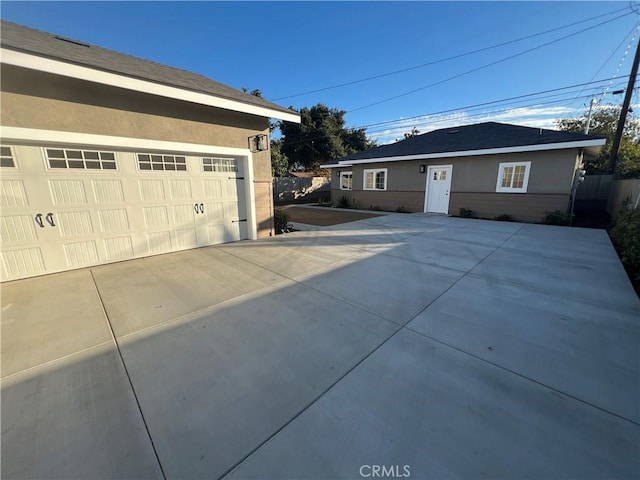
x=593 y=145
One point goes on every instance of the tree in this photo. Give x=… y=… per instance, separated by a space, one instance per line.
x=604 y=121
x=279 y=161
x=413 y=133
x=320 y=137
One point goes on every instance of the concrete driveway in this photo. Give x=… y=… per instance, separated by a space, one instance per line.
x=403 y=345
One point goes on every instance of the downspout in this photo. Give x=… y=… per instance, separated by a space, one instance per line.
x=574 y=187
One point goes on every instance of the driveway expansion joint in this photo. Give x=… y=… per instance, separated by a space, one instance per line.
x=126 y=371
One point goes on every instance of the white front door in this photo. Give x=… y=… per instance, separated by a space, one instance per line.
x=438 y=187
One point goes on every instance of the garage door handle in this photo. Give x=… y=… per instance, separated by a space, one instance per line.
x=50 y=219
x=202 y=208
x=195 y=207
x=39 y=220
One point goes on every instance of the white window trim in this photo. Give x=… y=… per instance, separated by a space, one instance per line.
x=374 y=171
x=501 y=167
x=344 y=174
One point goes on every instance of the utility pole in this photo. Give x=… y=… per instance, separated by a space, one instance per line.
x=591 y=105
x=623 y=113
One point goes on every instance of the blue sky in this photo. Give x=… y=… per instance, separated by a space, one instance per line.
x=287 y=48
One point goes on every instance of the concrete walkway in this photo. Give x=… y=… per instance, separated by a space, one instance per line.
x=434 y=346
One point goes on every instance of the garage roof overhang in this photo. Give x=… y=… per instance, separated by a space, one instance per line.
x=591 y=146
x=42 y=64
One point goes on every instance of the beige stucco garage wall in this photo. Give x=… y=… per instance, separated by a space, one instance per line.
x=38 y=100
x=473 y=184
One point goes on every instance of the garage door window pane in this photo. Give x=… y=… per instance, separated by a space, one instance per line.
x=6 y=157
x=57 y=163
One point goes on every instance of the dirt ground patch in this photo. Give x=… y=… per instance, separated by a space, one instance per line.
x=323 y=218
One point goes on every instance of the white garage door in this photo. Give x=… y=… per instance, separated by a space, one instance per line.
x=66 y=208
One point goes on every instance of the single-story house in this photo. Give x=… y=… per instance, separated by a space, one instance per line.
x=107 y=157
x=490 y=168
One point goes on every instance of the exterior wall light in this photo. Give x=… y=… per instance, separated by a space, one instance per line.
x=423 y=168
x=259 y=143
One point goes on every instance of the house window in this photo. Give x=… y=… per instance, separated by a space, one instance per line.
x=513 y=177
x=81 y=159
x=219 y=165
x=6 y=157
x=346 y=180
x=147 y=161
x=375 y=179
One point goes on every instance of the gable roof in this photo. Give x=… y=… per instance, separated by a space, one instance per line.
x=17 y=41
x=478 y=139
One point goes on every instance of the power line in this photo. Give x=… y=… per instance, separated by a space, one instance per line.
x=475 y=107
x=491 y=113
x=382 y=75
x=636 y=26
x=488 y=64
x=497 y=101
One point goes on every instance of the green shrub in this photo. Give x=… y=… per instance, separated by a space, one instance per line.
x=504 y=217
x=375 y=208
x=557 y=217
x=344 y=202
x=401 y=209
x=625 y=235
x=281 y=221
x=466 y=213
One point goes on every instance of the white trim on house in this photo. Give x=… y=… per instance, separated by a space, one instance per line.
x=53 y=137
x=48 y=138
x=468 y=153
x=34 y=62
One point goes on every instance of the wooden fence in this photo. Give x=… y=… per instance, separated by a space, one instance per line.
x=595 y=188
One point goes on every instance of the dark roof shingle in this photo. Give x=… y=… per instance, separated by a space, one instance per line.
x=481 y=136
x=28 y=40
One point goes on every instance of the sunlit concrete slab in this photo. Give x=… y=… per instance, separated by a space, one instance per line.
x=395 y=288
x=584 y=349
x=603 y=283
x=142 y=293
x=217 y=384
x=49 y=317
x=294 y=254
x=75 y=418
x=462 y=256
x=584 y=245
x=435 y=412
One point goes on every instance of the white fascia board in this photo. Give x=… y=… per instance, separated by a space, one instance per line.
x=34 y=62
x=335 y=165
x=488 y=151
x=54 y=138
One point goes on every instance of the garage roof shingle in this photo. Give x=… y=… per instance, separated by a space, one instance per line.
x=28 y=40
